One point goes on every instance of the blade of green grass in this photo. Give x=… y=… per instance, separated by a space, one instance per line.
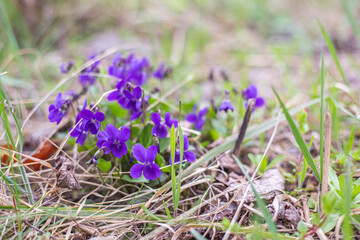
x=149 y=213
x=173 y=177
x=300 y=141
x=18 y=147
x=304 y=167
x=322 y=117
x=335 y=118
x=343 y=109
x=50 y=213
x=197 y=235
x=351 y=19
x=13 y=45
x=9 y=181
x=333 y=52
x=167 y=211
x=263 y=209
x=181 y=139
x=347 y=228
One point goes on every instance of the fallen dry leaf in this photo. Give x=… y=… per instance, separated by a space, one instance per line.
x=227 y=212
x=45 y=150
x=271 y=184
x=284 y=212
x=65 y=176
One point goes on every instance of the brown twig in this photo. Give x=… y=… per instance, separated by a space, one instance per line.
x=37 y=229
x=244 y=125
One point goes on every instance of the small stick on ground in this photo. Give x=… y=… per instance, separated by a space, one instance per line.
x=240 y=139
x=327 y=146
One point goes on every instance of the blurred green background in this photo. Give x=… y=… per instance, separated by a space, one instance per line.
x=273 y=42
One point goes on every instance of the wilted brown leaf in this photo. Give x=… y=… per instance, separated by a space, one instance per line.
x=285 y=212
x=65 y=176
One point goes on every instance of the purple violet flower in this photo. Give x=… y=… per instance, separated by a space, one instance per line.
x=226 y=104
x=89 y=122
x=93 y=160
x=138 y=71
x=113 y=140
x=79 y=133
x=170 y=121
x=130 y=69
x=66 y=67
x=188 y=155
x=118 y=94
x=147 y=166
x=87 y=78
x=161 y=72
x=117 y=69
x=160 y=129
x=59 y=109
x=72 y=94
x=133 y=100
x=92 y=120
x=197 y=119
x=135 y=103
x=251 y=92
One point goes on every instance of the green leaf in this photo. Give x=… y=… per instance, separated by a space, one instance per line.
x=330 y=223
x=164 y=144
x=219 y=126
x=302 y=121
x=141 y=179
x=302 y=228
x=315 y=218
x=333 y=180
x=226 y=223
x=129 y=145
x=160 y=161
x=275 y=160
x=328 y=202
x=103 y=165
x=300 y=141
x=115 y=109
x=145 y=137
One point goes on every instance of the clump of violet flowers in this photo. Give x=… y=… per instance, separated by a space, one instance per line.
x=128 y=143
